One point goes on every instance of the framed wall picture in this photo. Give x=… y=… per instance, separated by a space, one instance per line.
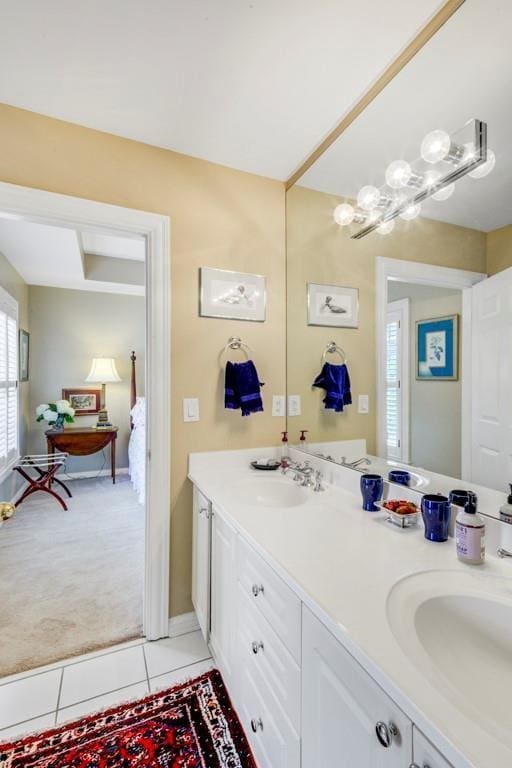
x=24 y=354
x=333 y=305
x=85 y=401
x=437 y=349
x=232 y=295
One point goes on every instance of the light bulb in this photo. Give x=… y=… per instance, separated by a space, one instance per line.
x=484 y=170
x=386 y=227
x=344 y=214
x=435 y=146
x=368 y=197
x=410 y=213
x=431 y=178
x=398 y=174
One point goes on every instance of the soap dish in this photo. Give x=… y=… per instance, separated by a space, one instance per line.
x=268 y=466
x=402 y=521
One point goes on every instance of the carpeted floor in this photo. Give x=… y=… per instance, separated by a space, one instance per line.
x=71 y=581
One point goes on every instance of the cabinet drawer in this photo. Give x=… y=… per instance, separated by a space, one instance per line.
x=273 y=740
x=269 y=594
x=426 y=755
x=259 y=648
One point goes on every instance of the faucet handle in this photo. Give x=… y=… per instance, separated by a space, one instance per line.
x=318 y=481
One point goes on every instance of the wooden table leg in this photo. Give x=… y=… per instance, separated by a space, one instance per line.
x=113 y=457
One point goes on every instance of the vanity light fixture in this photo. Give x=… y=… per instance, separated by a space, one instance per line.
x=445 y=158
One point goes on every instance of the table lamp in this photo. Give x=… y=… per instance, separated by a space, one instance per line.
x=103 y=371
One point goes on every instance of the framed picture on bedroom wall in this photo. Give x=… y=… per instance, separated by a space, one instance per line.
x=84 y=401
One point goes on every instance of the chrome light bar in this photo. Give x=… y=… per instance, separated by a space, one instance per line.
x=466 y=150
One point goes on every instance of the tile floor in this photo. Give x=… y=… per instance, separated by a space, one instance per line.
x=52 y=695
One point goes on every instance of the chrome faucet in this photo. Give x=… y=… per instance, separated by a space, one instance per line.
x=355 y=464
x=503 y=552
x=303 y=473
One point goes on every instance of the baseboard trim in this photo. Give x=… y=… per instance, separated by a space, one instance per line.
x=95 y=473
x=180 y=625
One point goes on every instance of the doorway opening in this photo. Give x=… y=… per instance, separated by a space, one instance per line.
x=91 y=285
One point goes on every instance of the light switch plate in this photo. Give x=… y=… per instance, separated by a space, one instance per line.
x=190 y=409
x=278 y=405
x=363 y=404
x=293 y=405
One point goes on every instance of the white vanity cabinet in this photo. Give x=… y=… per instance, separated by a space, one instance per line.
x=223 y=618
x=347 y=720
x=302 y=698
x=201 y=566
x=425 y=755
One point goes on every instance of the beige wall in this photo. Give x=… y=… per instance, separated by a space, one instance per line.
x=69 y=328
x=320 y=251
x=499 y=250
x=219 y=218
x=14 y=284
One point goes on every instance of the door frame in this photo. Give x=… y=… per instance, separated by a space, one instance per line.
x=66 y=211
x=403 y=307
x=443 y=277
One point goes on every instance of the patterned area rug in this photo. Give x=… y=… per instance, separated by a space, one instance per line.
x=191 y=725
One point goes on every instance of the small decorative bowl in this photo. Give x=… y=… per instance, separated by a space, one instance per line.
x=403 y=521
x=400 y=476
x=270 y=466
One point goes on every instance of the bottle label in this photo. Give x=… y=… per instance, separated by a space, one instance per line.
x=470 y=541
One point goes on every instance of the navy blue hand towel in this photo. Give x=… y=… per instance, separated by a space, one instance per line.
x=242 y=388
x=336 y=382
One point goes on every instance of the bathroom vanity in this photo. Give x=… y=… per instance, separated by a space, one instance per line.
x=317 y=615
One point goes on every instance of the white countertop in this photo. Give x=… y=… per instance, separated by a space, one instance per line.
x=343 y=562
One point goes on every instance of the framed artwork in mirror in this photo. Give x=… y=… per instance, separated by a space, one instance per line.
x=85 y=401
x=24 y=354
x=335 y=306
x=232 y=295
x=437 y=349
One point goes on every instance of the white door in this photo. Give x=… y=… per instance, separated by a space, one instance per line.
x=201 y=548
x=491 y=362
x=397 y=380
x=425 y=755
x=223 y=596
x=347 y=720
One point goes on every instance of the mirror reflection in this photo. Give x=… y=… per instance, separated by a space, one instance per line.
x=399 y=295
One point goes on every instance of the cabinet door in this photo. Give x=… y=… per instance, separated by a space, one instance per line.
x=342 y=707
x=425 y=755
x=201 y=548
x=223 y=596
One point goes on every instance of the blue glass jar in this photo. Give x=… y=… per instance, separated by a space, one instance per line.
x=436 y=512
x=371 y=490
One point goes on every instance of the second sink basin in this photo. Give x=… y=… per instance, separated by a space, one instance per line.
x=270 y=492
x=456 y=628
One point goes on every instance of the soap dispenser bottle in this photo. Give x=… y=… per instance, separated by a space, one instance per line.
x=506 y=509
x=470 y=533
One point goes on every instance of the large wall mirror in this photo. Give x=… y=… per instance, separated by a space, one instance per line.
x=420 y=309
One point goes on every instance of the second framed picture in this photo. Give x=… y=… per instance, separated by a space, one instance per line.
x=335 y=306
x=84 y=401
x=437 y=345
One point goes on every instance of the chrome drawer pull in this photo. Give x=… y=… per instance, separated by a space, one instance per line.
x=257 y=589
x=256 y=724
x=386 y=734
x=257 y=646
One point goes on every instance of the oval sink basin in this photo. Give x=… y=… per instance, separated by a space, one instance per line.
x=270 y=492
x=456 y=628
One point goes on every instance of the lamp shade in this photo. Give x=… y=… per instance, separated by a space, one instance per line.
x=103 y=371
